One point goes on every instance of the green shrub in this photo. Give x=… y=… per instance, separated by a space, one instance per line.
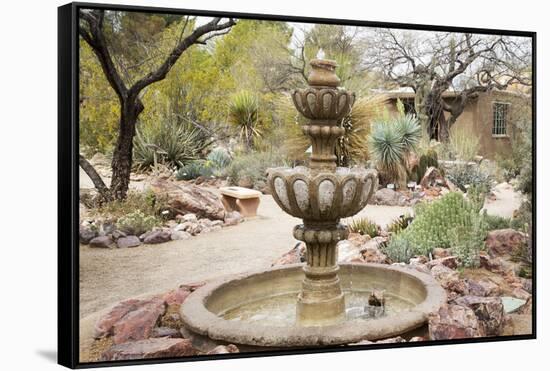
x=147 y=202
x=243 y=113
x=137 y=223
x=426 y=160
x=364 y=226
x=174 y=143
x=252 y=166
x=218 y=160
x=434 y=222
x=193 y=170
x=496 y=222
x=465 y=176
x=467 y=241
x=399 y=224
x=399 y=250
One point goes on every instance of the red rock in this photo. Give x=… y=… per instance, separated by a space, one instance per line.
x=128 y=241
x=372 y=254
x=139 y=323
x=505 y=242
x=491 y=264
x=449 y=279
x=161 y=332
x=224 y=349
x=177 y=296
x=483 y=288
x=104 y=326
x=526 y=308
x=149 y=348
x=488 y=310
x=102 y=242
x=454 y=322
x=449 y=262
x=521 y=294
x=294 y=255
x=433 y=177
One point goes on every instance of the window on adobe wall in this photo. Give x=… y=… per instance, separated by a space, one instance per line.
x=500 y=119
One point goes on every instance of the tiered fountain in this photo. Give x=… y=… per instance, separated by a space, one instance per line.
x=321 y=302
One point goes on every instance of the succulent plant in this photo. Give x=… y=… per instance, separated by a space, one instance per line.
x=365 y=227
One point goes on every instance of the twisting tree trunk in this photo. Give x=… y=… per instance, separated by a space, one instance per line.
x=99 y=184
x=91 y=30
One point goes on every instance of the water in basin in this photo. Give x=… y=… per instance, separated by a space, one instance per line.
x=280 y=310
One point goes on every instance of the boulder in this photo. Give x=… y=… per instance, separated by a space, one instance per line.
x=233 y=218
x=157 y=237
x=371 y=252
x=139 y=323
x=488 y=310
x=118 y=234
x=348 y=252
x=295 y=255
x=491 y=264
x=189 y=218
x=161 y=332
x=449 y=279
x=505 y=242
x=177 y=296
x=520 y=293
x=224 y=349
x=102 y=242
x=128 y=241
x=449 y=262
x=104 y=326
x=149 y=348
x=483 y=288
x=526 y=308
x=389 y=197
x=433 y=177
x=187 y=198
x=179 y=235
x=86 y=234
x=439 y=253
x=454 y=322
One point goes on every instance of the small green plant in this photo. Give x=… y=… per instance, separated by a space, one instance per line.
x=137 y=223
x=364 y=227
x=466 y=176
x=147 y=202
x=193 y=170
x=243 y=113
x=399 y=224
x=399 y=250
x=496 y=222
x=467 y=242
x=219 y=158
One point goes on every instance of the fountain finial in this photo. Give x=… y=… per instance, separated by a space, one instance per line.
x=323 y=72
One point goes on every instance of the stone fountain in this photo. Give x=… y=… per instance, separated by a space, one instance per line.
x=320 y=302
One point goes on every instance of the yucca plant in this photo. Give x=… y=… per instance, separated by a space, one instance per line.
x=364 y=226
x=171 y=142
x=391 y=142
x=243 y=113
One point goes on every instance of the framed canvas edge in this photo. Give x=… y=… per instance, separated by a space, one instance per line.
x=68 y=182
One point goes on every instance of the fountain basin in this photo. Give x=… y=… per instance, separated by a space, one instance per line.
x=213 y=310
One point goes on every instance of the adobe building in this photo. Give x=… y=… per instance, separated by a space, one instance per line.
x=495 y=116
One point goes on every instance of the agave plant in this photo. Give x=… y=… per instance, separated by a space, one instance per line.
x=391 y=142
x=243 y=113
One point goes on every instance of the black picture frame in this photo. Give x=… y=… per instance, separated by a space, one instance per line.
x=68 y=181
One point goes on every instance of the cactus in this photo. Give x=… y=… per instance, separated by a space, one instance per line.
x=435 y=223
x=426 y=160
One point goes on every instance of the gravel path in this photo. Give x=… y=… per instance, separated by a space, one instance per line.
x=110 y=275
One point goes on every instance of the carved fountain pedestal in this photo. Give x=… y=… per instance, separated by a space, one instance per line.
x=322 y=194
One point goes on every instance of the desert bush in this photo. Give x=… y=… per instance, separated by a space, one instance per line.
x=219 y=159
x=462 y=144
x=399 y=224
x=175 y=143
x=390 y=144
x=252 y=166
x=465 y=176
x=137 y=223
x=364 y=226
x=467 y=242
x=243 y=114
x=194 y=169
x=399 y=250
x=496 y=222
x=147 y=202
x=434 y=222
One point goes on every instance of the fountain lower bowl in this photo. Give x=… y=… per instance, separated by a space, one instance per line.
x=206 y=310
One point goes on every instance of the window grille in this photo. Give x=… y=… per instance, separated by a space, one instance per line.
x=500 y=118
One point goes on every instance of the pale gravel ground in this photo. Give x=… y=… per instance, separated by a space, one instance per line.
x=108 y=276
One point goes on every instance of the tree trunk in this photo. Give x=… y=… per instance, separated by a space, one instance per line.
x=122 y=154
x=99 y=184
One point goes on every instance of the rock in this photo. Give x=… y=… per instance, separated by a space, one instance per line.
x=488 y=310
x=388 y=197
x=179 y=235
x=128 y=241
x=449 y=279
x=295 y=255
x=216 y=223
x=157 y=237
x=205 y=230
x=526 y=308
x=416 y=338
x=118 y=234
x=150 y=348
x=526 y=284
x=511 y=304
x=348 y=252
x=491 y=264
x=371 y=252
x=449 y=262
x=233 y=218
x=439 y=253
x=483 y=288
x=189 y=218
x=454 y=322
x=397 y=339
x=104 y=326
x=177 y=296
x=433 y=177
x=505 y=242
x=520 y=293
x=224 y=349
x=416 y=264
x=102 y=241
x=86 y=234
x=161 y=332
x=187 y=198
x=106 y=228
x=139 y=323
